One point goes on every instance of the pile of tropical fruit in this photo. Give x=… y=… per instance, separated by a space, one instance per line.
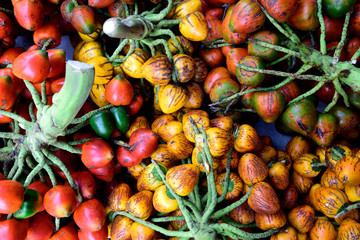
x=148 y=130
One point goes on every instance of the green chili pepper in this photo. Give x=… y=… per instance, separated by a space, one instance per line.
x=103 y=124
x=337 y=8
x=121 y=118
x=31 y=205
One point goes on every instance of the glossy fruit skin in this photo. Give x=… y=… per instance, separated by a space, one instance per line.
x=347 y=170
x=6 y=25
x=119 y=196
x=246 y=17
x=302 y=165
x=102 y=123
x=213 y=75
x=184 y=66
x=219 y=141
x=223 y=88
x=325 y=129
x=140 y=204
x=86 y=183
x=83 y=19
x=323 y=229
x=33 y=66
x=349 y=229
x=119 y=91
x=163 y=201
x=96 y=153
x=269 y=105
x=7 y=93
x=249 y=78
x=302 y=218
x=67 y=232
x=31 y=205
x=46 y=32
x=194 y=26
x=183 y=178
x=263 y=199
x=101 y=234
x=227 y=34
x=13 y=229
x=143 y=142
x=330 y=200
x=304 y=18
x=150 y=179
x=172 y=98
x=29 y=13
x=157 y=70
x=121 y=227
x=279 y=176
x=235 y=186
x=281 y=10
x=252 y=169
x=233 y=57
x=12 y=196
x=126 y=158
x=337 y=9
x=270 y=221
x=121 y=118
x=247 y=139
x=60 y=201
x=347 y=118
x=300 y=117
x=41 y=227
x=90 y=215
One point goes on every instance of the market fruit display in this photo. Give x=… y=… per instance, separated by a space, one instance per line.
x=148 y=130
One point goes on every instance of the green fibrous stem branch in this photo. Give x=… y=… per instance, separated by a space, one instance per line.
x=339 y=72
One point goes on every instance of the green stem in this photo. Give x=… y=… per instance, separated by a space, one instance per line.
x=65 y=146
x=6 y=10
x=341 y=91
x=69 y=131
x=21 y=160
x=280 y=28
x=31 y=112
x=282 y=74
x=211 y=183
x=224 y=227
x=347 y=209
x=153 y=226
x=333 y=102
x=161 y=32
x=131 y=51
x=227 y=177
x=156 y=17
x=238 y=225
x=308 y=93
x=277 y=48
x=318 y=164
x=155 y=9
x=167 y=23
x=6 y=149
x=341 y=44
x=322 y=27
x=118 y=49
x=10 y=135
x=150 y=42
x=21 y=120
x=218 y=214
x=40 y=158
x=355 y=56
x=79 y=79
x=279 y=60
x=57 y=224
x=35 y=96
x=167 y=219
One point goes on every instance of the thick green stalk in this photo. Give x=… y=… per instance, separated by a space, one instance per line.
x=79 y=79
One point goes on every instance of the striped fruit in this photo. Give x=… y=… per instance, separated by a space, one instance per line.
x=263 y=199
x=246 y=17
x=172 y=98
x=252 y=169
x=133 y=64
x=157 y=70
x=184 y=67
x=330 y=200
x=194 y=26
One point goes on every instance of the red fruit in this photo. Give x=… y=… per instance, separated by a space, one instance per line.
x=143 y=142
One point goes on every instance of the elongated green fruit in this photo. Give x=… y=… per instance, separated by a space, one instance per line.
x=79 y=79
